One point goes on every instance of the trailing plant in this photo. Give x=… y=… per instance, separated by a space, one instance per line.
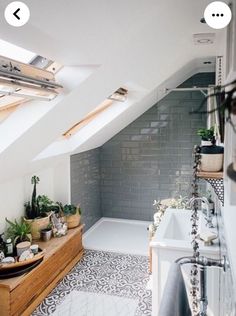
x=179 y=202
x=70 y=209
x=160 y=210
x=18 y=231
x=206 y=134
x=226 y=97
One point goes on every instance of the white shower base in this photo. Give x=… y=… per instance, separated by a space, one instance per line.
x=118 y=235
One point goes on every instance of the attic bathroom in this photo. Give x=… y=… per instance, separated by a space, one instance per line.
x=117 y=158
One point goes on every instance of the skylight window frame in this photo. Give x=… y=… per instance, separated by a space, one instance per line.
x=20 y=86
x=119 y=95
x=88 y=118
x=13 y=52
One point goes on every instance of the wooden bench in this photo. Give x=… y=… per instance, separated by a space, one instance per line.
x=21 y=295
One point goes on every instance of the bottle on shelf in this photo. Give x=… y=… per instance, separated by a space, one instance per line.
x=8 y=247
x=2 y=248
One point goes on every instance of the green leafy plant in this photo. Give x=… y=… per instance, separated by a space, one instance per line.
x=18 y=231
x=180 y=202
x=31 y=208
x=46 y=205
x=160 y=211
x=39 y=205
x=70 y=209
x=206 y=134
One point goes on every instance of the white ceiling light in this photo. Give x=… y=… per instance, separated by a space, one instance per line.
x=203 y=38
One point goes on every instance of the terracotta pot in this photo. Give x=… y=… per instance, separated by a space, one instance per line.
x=73 y=220
x=37 y=225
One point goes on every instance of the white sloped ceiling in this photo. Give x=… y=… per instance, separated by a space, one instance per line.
x=146 y=45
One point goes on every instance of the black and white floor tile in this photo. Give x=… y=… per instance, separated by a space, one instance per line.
x=102 y=284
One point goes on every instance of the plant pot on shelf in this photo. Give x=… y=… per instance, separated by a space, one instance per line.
x=206 y=142
x=73 y=220
x=18 y=231
x=72 y=215
x=46 y=234
x=212 y=158
x=37 y=225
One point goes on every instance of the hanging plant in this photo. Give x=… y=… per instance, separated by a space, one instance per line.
x=228 y=105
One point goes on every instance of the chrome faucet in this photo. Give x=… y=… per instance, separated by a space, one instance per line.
x=209 y=216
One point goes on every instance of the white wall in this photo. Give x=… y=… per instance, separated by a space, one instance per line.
x=11 y=200
x=54 y=182
x=61 y=181
x=229 y=209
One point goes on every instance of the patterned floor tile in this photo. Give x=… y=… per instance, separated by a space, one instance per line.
x=93 y=304
x=104 y=273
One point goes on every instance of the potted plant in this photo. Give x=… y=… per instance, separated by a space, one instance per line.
x=37 y=211
x=18 y=231
x=207 y=135
x=180 y=202
x=212 y=156
x=46 y=233
x=72 y=215
x=46 y=205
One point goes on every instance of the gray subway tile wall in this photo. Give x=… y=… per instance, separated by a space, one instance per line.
x=149 y=159
x=85 y=185
x=152 y=157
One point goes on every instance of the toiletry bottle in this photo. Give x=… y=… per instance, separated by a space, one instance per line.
x=8 y=247
x=2 y=256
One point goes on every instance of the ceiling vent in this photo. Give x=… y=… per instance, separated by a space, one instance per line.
x=24 y=80
x=203 y=38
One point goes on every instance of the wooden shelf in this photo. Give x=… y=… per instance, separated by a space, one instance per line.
x=210 y=175
x=216 y=181
x=21 y=295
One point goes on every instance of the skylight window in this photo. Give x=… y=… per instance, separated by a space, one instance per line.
x=24 y=76
x=119 y=95
x=15 y=52
x=9 y=101
x=88 y=118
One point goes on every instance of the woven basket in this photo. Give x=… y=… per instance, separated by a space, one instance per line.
x=73 y=220
x=211 y=162
x=37 y=224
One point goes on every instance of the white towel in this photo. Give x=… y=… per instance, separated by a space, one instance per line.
x=175 y=300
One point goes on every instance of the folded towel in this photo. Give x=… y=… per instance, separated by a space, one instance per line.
x=175 y=300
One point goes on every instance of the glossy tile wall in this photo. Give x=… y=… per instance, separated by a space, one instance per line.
x=85 y=185
x=149 y=159
x=152 y=157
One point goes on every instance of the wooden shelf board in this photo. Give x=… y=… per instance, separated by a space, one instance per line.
x=210 y=175
x=21 y=295
x=51 y=247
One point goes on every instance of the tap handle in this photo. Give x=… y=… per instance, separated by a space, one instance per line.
x=209 y=222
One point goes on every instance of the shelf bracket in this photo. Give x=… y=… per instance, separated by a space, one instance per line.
x=218 y=186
